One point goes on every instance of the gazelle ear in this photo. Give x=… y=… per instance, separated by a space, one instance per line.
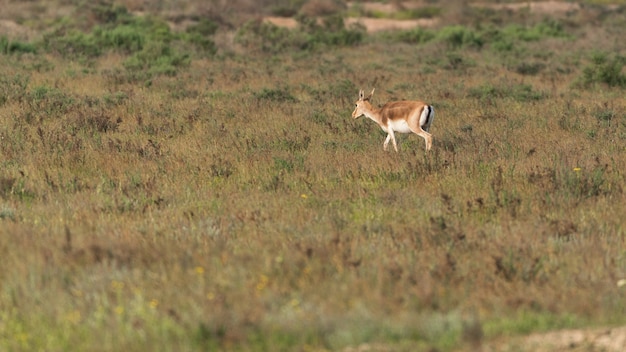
x=361 y=94
x=370 y=96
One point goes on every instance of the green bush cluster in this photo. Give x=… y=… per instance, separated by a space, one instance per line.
x=518 y=92
x=498 y=38
x=151 y=46
x=604 y=69
x=309 y=35
x=275 y=95
x=15 y=46
x=460 y=36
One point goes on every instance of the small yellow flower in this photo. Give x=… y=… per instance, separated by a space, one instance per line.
x=73 y=316
x=303 y=196
x=576 y=169
x=263 y=280
x=199 y=270
x=119 y=310
x=154 y=303
x=117 y=285
x=21 y=337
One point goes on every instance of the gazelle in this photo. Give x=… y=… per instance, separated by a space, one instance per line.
x=398 y=116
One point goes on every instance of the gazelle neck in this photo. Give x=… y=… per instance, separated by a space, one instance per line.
x=373 y=114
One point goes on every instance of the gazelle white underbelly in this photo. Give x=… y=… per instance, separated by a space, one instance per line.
x=400 y=126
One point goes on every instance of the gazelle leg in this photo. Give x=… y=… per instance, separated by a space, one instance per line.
x=428 y=139
x=393 y=139
x=386 y=144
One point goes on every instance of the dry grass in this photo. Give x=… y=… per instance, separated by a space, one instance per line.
x=237 y=205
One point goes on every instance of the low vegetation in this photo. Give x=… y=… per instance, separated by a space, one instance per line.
x=193 y=181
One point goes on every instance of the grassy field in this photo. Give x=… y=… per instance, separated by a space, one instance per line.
x=184 y=177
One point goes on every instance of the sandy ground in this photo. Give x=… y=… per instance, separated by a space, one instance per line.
x=371 y=24
x=14 y=30
x=575 y=340
x=588 y=340
x=543 y=7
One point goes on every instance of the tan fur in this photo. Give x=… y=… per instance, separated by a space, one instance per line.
x=397 y=116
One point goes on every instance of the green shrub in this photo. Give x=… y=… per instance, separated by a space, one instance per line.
x=148 y=41
x=518 y=92
x=15 y=46
x=46 y=101
x=529 y=68
x=107 y=13
x=500 y=38
x=460 y=36
x=198 y=35
x=266 y=37
x=157 y=58
x=275 y=94
x=548 y=28
x=604 y=69
x=12 y=88
x=417 y=35
x=332 y=32
x=72 y=44
x=309 y=35
x=127 y=39
x=456 y=61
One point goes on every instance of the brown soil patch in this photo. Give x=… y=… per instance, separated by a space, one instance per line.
x=574 y=340
x=588 y=340
x=370 y=24
x=544 y=7
x=13 y=30
x=286 y=22
x=385 y=24
x=393 y=6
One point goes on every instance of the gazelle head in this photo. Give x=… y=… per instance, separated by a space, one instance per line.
x=363 y=104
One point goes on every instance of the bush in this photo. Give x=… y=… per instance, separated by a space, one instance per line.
x=604 y=69
x=501 y=39
x=125 y=38
x=416 y=35
x=12 y=88
x=46 y=101
x=73 y=44
x=460 y=36
x=151 y=45
x=266 y=37
x=275 y=95
x=106 y=13
x=518 y=92
x=11 y=47
x=530 y=68
x=309 y=35
x=199 y=34
x=286 y=8
x=157 y=59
